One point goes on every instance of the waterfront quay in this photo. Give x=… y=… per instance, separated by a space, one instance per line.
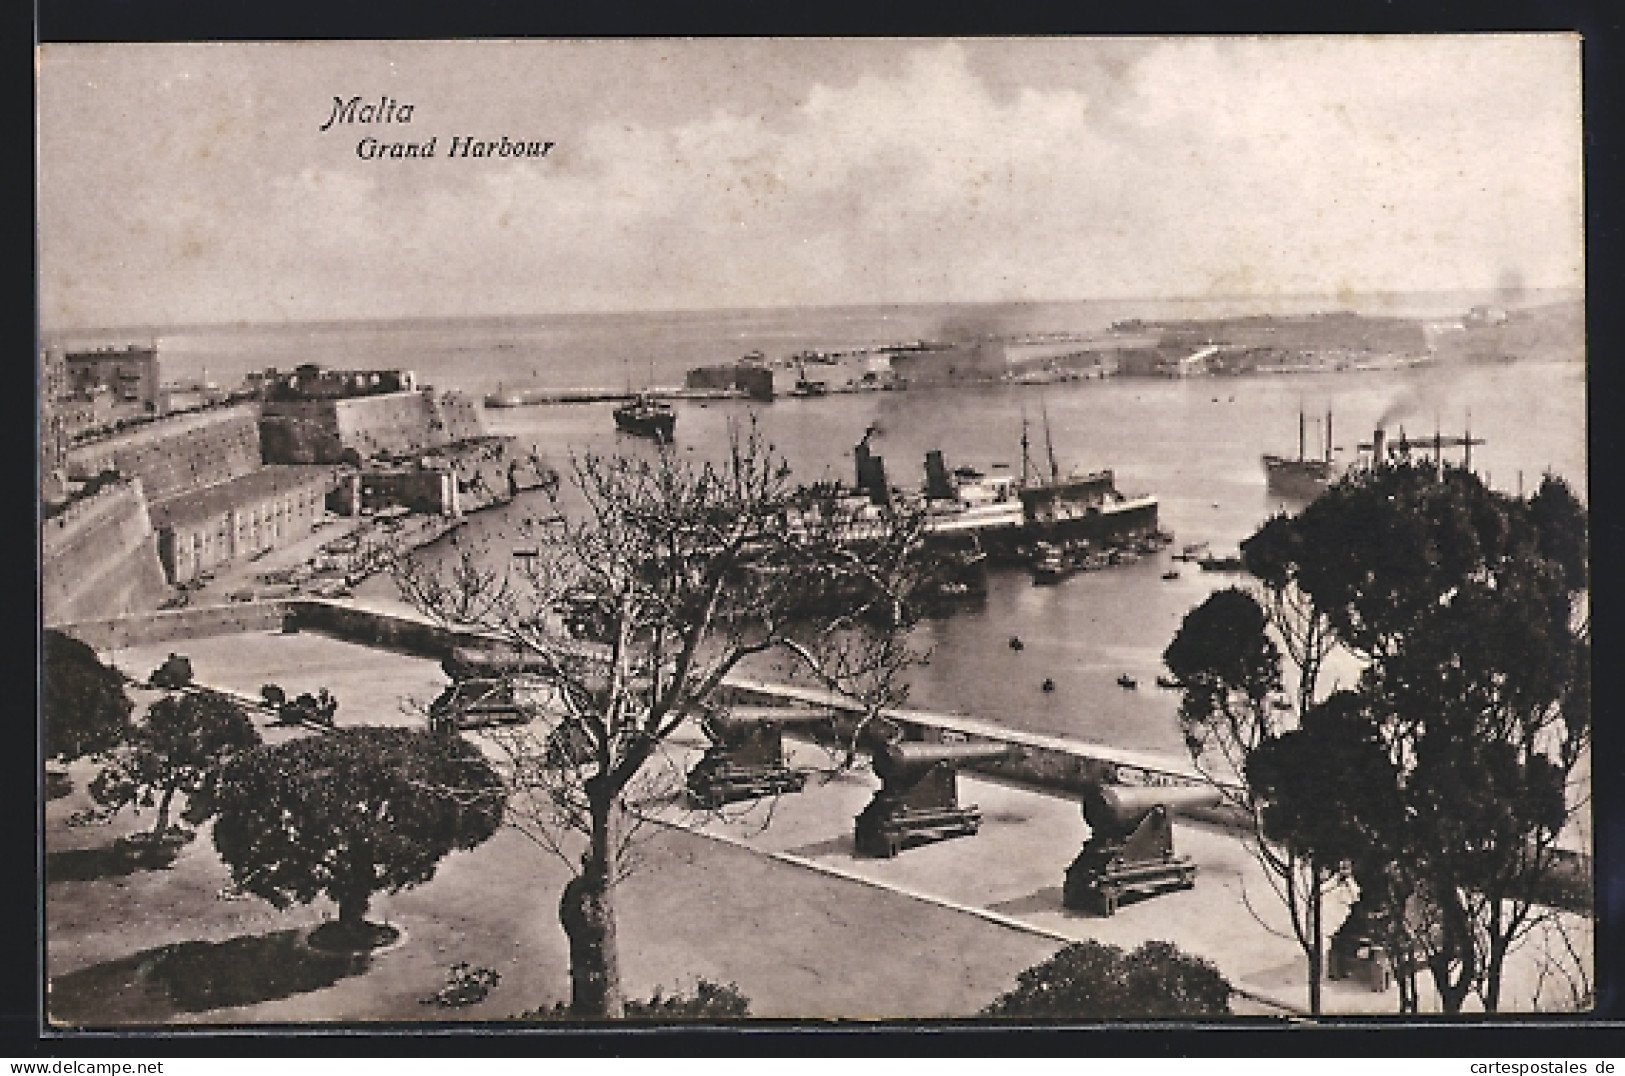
x=770 y=896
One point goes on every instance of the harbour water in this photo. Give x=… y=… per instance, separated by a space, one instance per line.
x=1196 y=444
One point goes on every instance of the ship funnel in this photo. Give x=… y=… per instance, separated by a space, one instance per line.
x=937 y=484
x=871 y=472
x=1378 y=438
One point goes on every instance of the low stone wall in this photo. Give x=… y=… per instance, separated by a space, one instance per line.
x=1042 y=763
x=373 y=628
x=173 y=625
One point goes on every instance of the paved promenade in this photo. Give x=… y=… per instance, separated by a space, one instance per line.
x=997 y=890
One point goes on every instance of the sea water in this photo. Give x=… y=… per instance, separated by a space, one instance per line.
x=1195 y=444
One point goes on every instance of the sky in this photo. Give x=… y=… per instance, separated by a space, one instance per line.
x=191 y=183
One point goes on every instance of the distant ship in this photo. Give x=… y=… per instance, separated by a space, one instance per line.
x=1302 y=478
x=646 y=417
x=1010 y=513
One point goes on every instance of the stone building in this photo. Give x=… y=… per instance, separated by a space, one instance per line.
x=129 y=373
x=253 y=513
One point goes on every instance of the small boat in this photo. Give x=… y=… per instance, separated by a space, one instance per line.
x=1221 y=564
x=1171 y=573
x=1193 y=551
x=1048 y=684
x=645 y=417
x=1016 y=643
x=1127 y=682
x=1052 y=565
x=1169 y=682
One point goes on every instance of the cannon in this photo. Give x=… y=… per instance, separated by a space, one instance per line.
x=490 y=662
x=474 y=703
x=1130 y=850
x=746 y=756
x=918 y=801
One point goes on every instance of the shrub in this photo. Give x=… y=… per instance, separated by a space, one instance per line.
x=1092 y=981
x=709 y=1001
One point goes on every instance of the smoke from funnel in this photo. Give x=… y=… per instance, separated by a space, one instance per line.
x=968 y=328
x=1403 y=406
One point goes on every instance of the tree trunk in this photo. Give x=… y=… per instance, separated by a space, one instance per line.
x=1494 y=965
x=1317 y=945
x=163 y=815
x=353 y=910
x=356 y=895
x=1405 y=977
x=1456 y=942
x=587 y=913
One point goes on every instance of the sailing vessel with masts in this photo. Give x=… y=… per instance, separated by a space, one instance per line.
x=1303 y=478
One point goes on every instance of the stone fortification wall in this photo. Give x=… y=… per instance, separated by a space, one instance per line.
x=455 y=416
x=303 y=431
x=177 y=455
x=99 y=557
x=396 y=423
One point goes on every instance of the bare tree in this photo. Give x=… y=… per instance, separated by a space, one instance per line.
x=672 y=574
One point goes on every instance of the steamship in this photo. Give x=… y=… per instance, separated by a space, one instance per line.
x=1010 y=515
x=647 y=417
x=1303 y=478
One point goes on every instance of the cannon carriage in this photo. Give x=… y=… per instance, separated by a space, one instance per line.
x=918 y=800
x=476 y=703
x=746 y=757
x=1130 y=850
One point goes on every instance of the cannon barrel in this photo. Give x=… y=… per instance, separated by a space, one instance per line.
x=739 y=716
x=1117 y=809
x=900 y=757
x=470 y=662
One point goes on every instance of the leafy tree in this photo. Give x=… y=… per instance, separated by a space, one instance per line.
x=1327 y=795
x=1230 y=672
x=351 y=813
x=1465 y=611
x=86 y=711
x=1094 y=981
x=178 y=748
x=690 y=569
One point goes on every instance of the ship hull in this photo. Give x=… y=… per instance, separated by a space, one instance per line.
x=659 y=426
x=1299 y=479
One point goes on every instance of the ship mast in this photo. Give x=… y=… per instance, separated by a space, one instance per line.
x=1300 y=434
x=1026 y=457
x=1328 y=435
x=1049 y=446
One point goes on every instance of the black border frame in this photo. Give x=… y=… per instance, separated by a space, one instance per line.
x=1599 y=22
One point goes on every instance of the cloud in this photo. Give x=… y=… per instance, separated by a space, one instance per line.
x=1180 y=167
